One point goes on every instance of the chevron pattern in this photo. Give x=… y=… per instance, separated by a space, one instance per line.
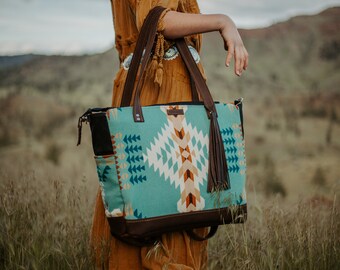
x=118 y=157
x=233 y=141
x=134 y=158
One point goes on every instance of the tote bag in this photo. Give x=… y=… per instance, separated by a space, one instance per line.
x=168 y=167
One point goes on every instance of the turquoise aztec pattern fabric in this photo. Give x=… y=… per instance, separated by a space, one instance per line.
x=162 y=169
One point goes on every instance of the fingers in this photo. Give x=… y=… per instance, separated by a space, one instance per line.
x=238 y=61
x=231 y=52
x=246 y=61
x=240 y=55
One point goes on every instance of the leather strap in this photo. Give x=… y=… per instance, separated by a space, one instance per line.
x=194 y=93
x=145 y=35
x=198 y=80
x=193 y=235
x=151 y=33
x=201 y=86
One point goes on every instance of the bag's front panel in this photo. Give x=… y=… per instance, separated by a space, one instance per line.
x=162 y=163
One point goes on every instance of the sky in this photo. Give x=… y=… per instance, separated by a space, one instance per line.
x=85 y=26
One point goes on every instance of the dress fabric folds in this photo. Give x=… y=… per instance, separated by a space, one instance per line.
x=176 y=250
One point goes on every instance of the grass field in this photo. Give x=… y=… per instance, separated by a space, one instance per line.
x=292 y=134
x=47 y=227
x=48 y=186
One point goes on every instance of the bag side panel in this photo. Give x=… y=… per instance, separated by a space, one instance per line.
x=109 y=184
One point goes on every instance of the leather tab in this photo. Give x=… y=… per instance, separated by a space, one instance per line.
x=175 y=112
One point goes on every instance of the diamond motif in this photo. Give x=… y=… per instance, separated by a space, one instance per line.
x=176 y=140
x=185 y=154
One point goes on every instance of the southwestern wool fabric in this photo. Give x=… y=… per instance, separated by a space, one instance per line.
x=162 y=169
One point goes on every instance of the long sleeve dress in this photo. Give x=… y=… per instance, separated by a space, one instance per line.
x=165 y=81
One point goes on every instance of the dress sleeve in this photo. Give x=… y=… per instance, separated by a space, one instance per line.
x=142 y=8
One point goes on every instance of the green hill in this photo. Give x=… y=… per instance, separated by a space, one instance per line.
x=298 y=56
x=291 y=92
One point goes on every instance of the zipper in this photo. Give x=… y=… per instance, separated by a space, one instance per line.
x=85 y=117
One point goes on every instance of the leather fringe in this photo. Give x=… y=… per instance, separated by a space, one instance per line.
x=155 y=70
x=160 y=53
x=152 y=68
x=218 y=175
x=159 y=74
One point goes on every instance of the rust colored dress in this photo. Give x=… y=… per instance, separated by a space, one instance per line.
x=166 y=81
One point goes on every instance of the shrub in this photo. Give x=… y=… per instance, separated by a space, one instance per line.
x=319 y=178
x=53 y=153
x=330 y=50
x=272 y=182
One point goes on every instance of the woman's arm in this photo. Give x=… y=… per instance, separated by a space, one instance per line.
x=177 y=24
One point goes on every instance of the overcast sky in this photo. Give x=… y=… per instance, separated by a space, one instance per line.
x=85 y=26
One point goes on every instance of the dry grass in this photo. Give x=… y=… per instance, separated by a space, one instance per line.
x=47 y=190
x=43 y=227
x=47 y=227
x=302 y=237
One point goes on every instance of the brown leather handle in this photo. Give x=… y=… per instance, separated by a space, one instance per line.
x=144 y=45
x=150 y=30
x=149 y=27
x=198 y=80
x=195 y=73
x=145 y=36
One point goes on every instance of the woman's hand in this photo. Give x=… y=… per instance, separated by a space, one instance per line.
x=234 y=45
x=177 y=24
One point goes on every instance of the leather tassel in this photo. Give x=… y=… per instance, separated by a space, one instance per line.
x=218 y=175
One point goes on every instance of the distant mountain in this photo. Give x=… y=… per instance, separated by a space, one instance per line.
x=291 y=91
x=16 y=60
x=300 y=55
x=69 y=79
x=297 y=56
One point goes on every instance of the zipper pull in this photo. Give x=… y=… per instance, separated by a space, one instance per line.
x=238 y=102
x=82 y=119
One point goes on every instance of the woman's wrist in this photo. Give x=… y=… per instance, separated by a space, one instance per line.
x=224 y=22
x=177 y=24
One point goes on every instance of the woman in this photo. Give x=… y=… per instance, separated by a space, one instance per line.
x=166 y=81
